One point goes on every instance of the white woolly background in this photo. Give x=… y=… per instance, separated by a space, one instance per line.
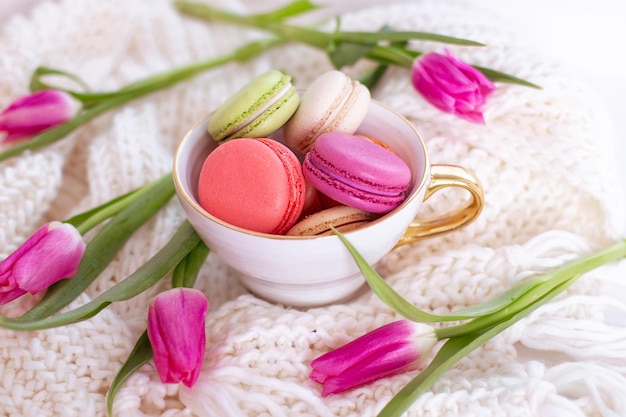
x=257 y=352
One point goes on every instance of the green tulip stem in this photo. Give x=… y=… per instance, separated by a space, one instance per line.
x=133 y=91
x=455 y=349
x=187 y=270
x=107 y=211
x=375 y=46
x=307 y=35
x=140 y=355
x=565 y=274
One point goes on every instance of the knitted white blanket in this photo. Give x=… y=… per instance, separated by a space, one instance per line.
x=545 y=158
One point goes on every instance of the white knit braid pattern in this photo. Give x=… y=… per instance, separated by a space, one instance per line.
x=545 y=158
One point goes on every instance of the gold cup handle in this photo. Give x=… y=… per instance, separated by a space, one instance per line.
x=443 y=176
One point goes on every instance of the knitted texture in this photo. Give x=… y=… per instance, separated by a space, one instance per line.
x=545 y=158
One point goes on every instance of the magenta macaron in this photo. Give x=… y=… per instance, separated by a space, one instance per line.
x=255 y=184
x=357 y=172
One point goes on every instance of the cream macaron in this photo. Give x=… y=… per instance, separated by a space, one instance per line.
x=333 y=102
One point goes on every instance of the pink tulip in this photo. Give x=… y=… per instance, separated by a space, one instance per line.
x=392 y=349
x=452 y=85
x=37 y=112
x=51 y=254
x=177 y=334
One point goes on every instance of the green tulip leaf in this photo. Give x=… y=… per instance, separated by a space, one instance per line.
x=37 y=84
x=372 y=77
x=344 y=53
x=87 y=98
x=347 y=53
x=503 y=300
x=401 y=306
x=498 y=76
x=80 y=218
x=527 y=293
x=516 y=298
x=402 y=36
x=141 y=354
x=392 y=55
x=187 y=270
x=292 y=9
x=387 y=294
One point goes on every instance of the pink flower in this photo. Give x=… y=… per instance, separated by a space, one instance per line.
x=177 y=334
x=51 y=254
x=392 y=349
x=37 y=112
x=452 y=85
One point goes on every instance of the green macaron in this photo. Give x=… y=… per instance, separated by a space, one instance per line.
x=258 y=109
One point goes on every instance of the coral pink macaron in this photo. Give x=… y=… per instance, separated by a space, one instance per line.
x=357 y=172
x=256 y=184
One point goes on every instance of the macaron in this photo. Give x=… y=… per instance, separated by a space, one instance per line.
x=312 y=200
x=257 y=109
x=377 y=142
x=255 y=184
x=332 y=103
x=357 y=172
x=342 y=218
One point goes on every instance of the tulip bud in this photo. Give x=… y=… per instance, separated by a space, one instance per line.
x=177 y=334
x=52 y=253
x=392 y=349
x=452 y=85
x=37 y=112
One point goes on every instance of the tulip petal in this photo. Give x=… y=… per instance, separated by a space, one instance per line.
x=451 y=85
x=52 y=253
x=358 y=350
x=37 y=112
x=390 y=361
x=55 y=256
x=394 y=348
x=8 y=296
x=177 y=334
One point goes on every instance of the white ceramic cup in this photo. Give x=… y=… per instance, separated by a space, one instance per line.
x=310 y=271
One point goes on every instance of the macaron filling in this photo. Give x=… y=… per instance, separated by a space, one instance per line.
x=372 y=201
x=332 y=103
x=342 y=218
x=274 y=98
x=363 y=181
x=335 y=113
x=275 y=103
